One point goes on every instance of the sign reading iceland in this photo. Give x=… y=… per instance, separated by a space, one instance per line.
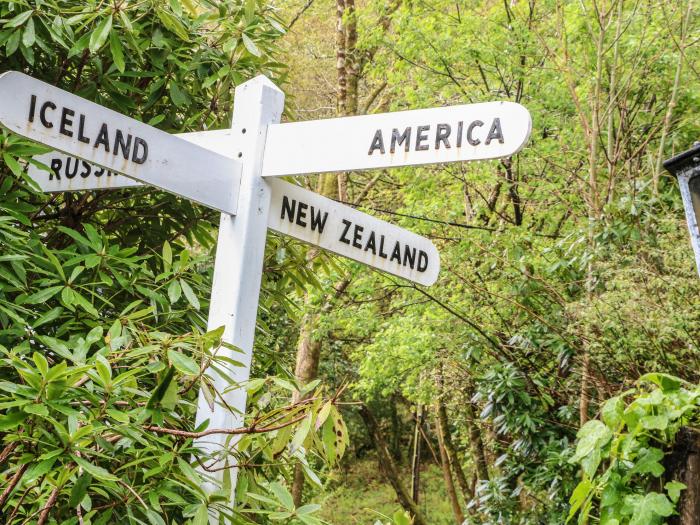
x=317 y=220
x=120 y=144
x=425 y=136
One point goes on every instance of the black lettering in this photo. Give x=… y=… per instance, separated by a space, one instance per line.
x=135 y=157
x=470 y=129
x=343 y=238
x=66 y=122
x=495 y=132
x=288 y=208
x=382 y=253
x=409 y=257
x=397 y=140
x=371 y=243
x=443 y=132
x=86 y=170
x=70 y=174
x=32 y=107
x=396 y=253
x=81 y=128
x=103 y=138
x=301 y=214
x=377 y=143
x=357 y=237
x=421 y=136
x=422 y=261
x=317 y=221
x=99 y=172
x=460 y=127
x=55 y=169
x=119 y=143
x=42 y=113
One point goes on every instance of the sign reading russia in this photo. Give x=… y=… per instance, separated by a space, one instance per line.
x=93 y=133
x=425 y=136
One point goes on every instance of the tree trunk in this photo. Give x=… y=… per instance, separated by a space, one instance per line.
x=388 y=467
x=674 y=97
x=683 y=464
x=415 y=457
x=452 y=453
x=476 y=444
x=444 y=460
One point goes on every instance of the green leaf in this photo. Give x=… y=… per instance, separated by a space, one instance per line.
x=250 y=45
x=19 y=19
x=38 y=470
x=100 y=34
x=79 y=490
x=282 y=495
x=651 y=507
x=167 y=256
x=115 y=47
x=649 y=462
x=12 y=163
x=11 y=421
x=674 y=489
x=593 y=434
x=29 y=35
x=301 y=433
x=189 y=294
x=177 y=95
x=201 y=517
x=94 y=470
x=174 y=291
x=183 y=363
x=666 y=382
x=43 y=295
x=612 y=412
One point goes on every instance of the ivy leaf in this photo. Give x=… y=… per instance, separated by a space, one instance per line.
x=648 y=462
x=593 y=434
x=674 y=489
x=612 y=412
x=100 y=34
x=666 y=382
x=651 y=507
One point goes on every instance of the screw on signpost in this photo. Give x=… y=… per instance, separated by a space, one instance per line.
x=237 y=277
x=686 y=167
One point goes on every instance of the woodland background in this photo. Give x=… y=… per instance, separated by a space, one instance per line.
x=568 y=302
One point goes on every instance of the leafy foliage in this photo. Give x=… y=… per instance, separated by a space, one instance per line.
x=621 y=455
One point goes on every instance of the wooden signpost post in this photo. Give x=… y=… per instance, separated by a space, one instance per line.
x=233 y=171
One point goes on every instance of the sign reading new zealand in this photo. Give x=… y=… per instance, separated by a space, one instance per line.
x=317 y=220
x=93 y=133
x=425 y=136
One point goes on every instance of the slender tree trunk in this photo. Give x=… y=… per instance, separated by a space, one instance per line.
x=416 y=456
x=683 y=464
x=388 y=467
x=452 y=455
x=674 y=96
x=445 y=462
x=476 y=443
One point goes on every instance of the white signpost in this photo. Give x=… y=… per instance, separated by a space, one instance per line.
x=101 y=146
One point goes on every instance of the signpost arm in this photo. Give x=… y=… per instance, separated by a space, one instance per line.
x=238 y=271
